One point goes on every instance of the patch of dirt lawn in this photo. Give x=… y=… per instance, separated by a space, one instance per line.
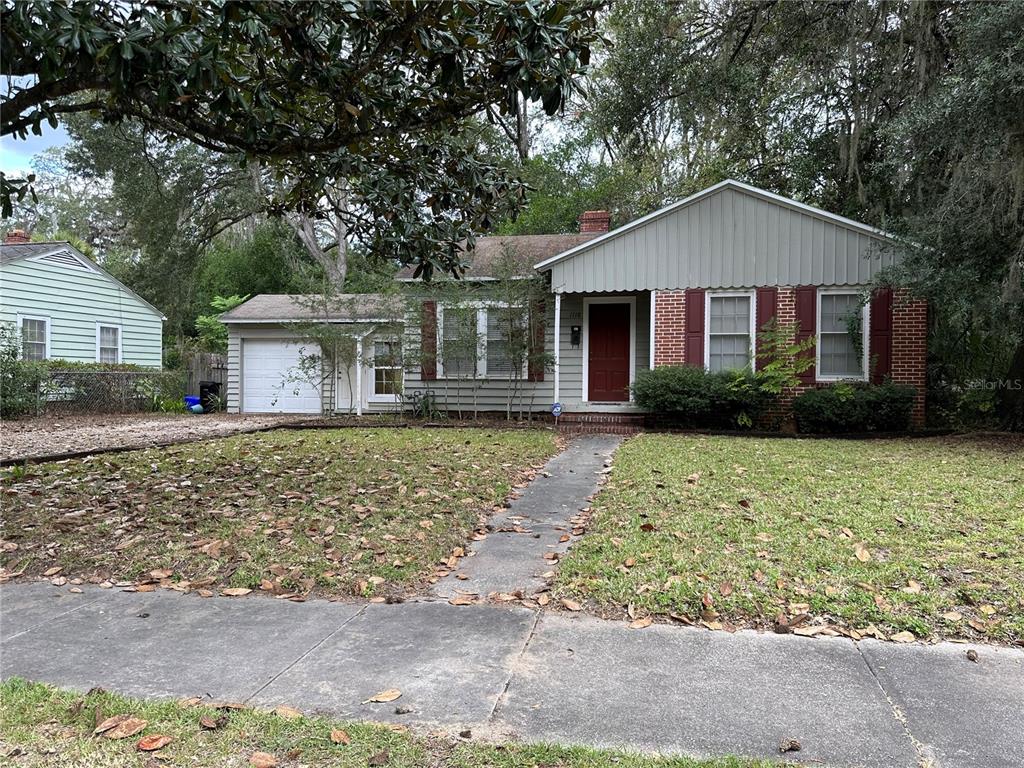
x=900 y=539
x=339 y=512
x=44 y=726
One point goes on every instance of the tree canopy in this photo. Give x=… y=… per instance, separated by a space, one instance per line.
x=375 y=93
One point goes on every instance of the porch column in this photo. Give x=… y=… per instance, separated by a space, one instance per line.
x=358 y=394
x=654 y=300
x=558 y=341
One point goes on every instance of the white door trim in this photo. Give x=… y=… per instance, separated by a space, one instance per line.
x=587 y=301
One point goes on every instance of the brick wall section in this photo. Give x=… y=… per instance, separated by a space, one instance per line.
x=909 y=347
x=669 y=328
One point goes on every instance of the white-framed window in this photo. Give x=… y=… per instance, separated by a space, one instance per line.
x=842 y=343
x=479 y=340
x=729 y=318
x=388 y=374
x=108 y=343
x=35 y=337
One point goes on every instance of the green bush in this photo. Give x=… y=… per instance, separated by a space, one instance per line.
x=855 y=407
x=692 y=397
x=19 y=379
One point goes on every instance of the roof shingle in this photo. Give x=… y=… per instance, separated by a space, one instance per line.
x=344 y=308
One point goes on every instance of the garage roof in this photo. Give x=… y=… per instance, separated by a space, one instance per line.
x=293 y=308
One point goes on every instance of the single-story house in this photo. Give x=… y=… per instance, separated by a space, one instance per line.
x=690 y=284
x=65 y=306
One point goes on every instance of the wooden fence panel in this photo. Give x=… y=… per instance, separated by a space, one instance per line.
x=207 y=366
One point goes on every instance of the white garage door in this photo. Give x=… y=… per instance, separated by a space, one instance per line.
x=270 y=378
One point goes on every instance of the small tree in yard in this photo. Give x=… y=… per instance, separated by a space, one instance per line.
x=782 y=359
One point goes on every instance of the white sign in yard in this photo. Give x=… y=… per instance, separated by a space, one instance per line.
x=556 y=410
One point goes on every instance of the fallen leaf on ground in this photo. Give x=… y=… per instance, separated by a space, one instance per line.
x=262 y=760
x=153 y=742
x=384 y=696
x=725 y=589
x=903 y=637
x=212 y=723
x=646 y=621
x=462 y=600
x=789 y=745
x=972 y=655
x=862 y=553
x=571 y=605
x=288 y=713
x=381 y=758
x=339 y=736
x=952 y=616
x=237 y=592
x=126 y=728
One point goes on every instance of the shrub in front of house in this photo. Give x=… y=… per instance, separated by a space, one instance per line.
x=854 y=407
x=689 y=396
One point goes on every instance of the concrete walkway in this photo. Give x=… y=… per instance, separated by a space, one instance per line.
x=511 y=558
x=539 y=676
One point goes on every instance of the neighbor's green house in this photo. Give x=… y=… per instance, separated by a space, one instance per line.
x=66 y=307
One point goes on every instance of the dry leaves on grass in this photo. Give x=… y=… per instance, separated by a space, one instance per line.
x=153 y=742
x=643 y=623
x=339 y=736
x=120 y=727
x=288 y=713
x=262 y=760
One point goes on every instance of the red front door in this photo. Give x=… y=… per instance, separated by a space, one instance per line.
x=608 y=356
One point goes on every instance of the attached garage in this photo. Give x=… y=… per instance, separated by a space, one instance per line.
x=266 y=348
x=270 y=377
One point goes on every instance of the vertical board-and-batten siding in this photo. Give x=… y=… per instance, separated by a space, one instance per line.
x=730 y=238
x=75 y=299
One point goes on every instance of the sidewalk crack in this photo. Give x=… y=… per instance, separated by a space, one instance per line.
x=499 y=700
x=306 y=653
x=52 y=619
x=925 y=755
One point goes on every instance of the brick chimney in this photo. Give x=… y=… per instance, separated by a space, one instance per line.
x=595 y=221
x=16 y=236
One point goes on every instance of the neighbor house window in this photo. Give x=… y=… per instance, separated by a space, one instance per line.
x=730 y=331
x=841 y=336
x=108 y=343
x=480 y=341
x=35 y=342
x=387 y=368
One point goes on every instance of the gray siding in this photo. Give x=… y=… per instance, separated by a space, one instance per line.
x=730 y=238
x=482 y=395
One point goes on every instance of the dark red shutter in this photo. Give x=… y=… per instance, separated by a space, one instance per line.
x=428 y=343
x=767 y=302
x=694 y=351
x=807 y=321
x=535 y=366
x=880 y=335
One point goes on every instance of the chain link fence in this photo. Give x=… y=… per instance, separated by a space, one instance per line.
x=69 y=391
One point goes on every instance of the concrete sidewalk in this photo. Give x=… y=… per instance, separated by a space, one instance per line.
x=511 y=558
x=514 y=673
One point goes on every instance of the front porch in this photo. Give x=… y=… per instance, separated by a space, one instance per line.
x=604 y=339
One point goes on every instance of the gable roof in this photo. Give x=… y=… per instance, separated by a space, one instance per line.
x=291 y=308
x=13 y=252
x=485 y=258
x=729 y=236
x=696 y=197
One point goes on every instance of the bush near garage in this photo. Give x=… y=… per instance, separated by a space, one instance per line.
x=853 y=407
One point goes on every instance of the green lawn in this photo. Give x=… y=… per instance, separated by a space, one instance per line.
x=921 y=535
x=348 y=511
x=40 y=725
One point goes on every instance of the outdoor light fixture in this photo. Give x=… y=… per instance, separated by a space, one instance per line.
x=575 y=331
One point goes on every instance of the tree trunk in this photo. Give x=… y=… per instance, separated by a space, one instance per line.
x=1010 y=400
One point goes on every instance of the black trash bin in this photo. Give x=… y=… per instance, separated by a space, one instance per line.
x=209 y=396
